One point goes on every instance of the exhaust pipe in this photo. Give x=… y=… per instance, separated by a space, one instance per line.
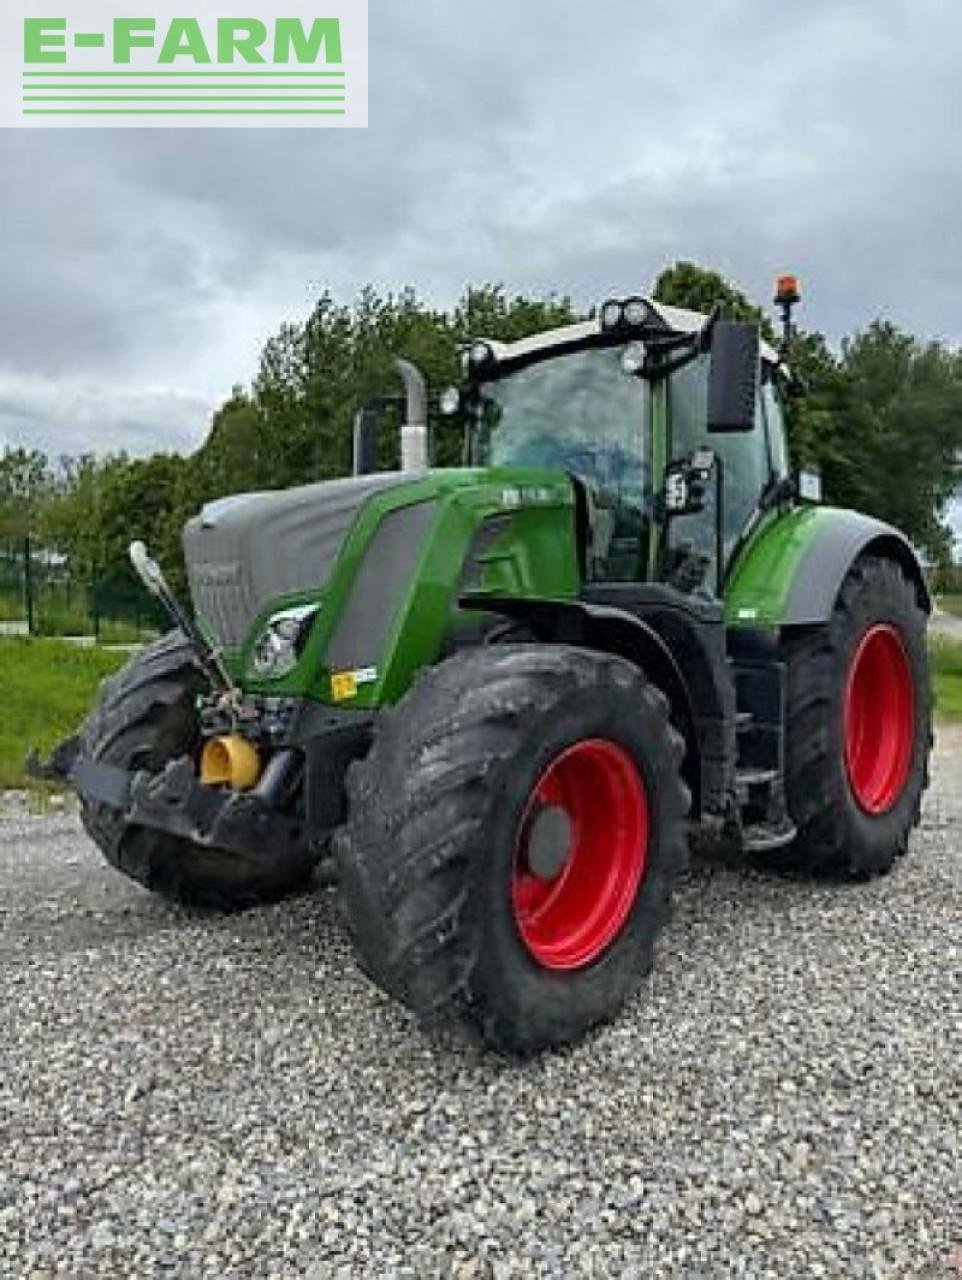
x=414 y=433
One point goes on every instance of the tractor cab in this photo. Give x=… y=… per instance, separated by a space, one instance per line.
x=669 y=422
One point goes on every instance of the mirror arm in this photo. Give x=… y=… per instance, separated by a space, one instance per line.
x=664 y=370
x=692 y=345
x=705 y=332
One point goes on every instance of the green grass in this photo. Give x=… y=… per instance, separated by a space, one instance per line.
x=62 y=621
x=46 y=687
x=951 y=604
x=947 y=678
x=125 y=633
x=11 y=606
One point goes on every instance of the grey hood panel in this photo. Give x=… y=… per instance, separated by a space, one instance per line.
x=245 y=550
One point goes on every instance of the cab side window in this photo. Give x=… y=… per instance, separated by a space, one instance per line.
x=775 y=424
x=746 y=466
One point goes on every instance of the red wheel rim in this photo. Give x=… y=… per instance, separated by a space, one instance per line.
x=567 y=915
x=879 y=719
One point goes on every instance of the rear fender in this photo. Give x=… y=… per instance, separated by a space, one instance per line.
x=790 y=574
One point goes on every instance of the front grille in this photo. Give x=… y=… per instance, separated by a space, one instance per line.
x=224 y=600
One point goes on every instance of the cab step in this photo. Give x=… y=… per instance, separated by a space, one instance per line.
x=764 y=837
x=749 y=780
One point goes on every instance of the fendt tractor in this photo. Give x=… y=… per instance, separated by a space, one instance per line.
x=504 y=697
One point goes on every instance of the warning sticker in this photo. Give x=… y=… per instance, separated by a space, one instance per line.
x=344 y=684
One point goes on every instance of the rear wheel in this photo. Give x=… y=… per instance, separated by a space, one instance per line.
x=143 y=718
x=512 y=841
x=859 y=726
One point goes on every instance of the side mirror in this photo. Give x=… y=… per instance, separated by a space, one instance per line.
x=733 y=379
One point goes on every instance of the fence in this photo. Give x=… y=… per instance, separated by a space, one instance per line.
x=41 y=594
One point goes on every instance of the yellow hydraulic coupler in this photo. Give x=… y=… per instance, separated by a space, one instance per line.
x=231 y=759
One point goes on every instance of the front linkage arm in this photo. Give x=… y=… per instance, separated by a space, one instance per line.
x=152 y=576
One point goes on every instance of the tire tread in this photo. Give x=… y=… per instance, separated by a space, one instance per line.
x=417 y=806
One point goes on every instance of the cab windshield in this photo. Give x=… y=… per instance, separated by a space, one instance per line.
x=583 y=414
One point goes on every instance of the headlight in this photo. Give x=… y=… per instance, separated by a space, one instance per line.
x=612 y=314
x=480 y=353
x=279 y=645
x=636 y=311
x=633 y=358
x=449 y=402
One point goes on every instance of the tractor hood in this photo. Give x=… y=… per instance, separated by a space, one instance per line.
x=244 y=551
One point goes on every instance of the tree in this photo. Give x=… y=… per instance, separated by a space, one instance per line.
x=314 y=376
x=687 y=285
x=25 y=484
x=100 y=506
x=896 y=444
x=70 y=519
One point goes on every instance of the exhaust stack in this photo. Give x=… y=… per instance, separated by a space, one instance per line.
x=414 y=432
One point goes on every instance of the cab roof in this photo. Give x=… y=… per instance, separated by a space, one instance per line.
x=677 y=319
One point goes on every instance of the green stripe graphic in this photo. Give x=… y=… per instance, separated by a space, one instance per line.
x=173 y=97
x=174 y=111
x=252 y=87
x=205 y=74
x=202 y=90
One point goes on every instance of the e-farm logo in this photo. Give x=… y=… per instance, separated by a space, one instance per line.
x=279 y=63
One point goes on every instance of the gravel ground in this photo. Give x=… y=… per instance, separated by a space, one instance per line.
x=214 y=1096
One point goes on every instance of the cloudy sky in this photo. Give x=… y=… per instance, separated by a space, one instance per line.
x=548 y=144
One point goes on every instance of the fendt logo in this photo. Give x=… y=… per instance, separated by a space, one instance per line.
x=280 y=64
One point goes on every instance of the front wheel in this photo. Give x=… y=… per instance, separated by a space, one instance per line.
x=144 y=717
x=512 y=841
x=859 y=726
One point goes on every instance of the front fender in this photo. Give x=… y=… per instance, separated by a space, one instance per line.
x=618 y=632
x=791 y=571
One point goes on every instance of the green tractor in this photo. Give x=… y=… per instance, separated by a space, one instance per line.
x=506 y=695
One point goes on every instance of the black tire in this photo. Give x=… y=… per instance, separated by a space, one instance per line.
x=426 y=857
x=144 y=717
x=837 y=835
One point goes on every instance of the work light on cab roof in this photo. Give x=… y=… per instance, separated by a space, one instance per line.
x=628 y=313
